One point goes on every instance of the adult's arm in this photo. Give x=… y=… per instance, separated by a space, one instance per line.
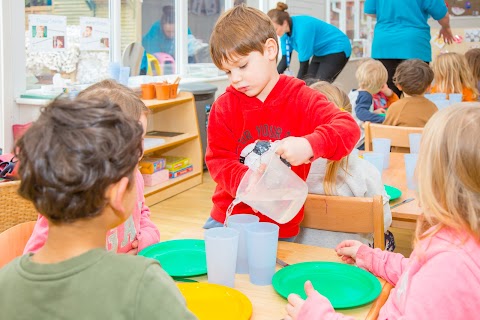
x=445 y=31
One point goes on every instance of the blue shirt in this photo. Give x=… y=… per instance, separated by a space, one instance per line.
x=402 y=31
x=311 y=36
x=155 y=40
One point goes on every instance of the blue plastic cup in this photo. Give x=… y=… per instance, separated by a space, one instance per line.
x=414 y=142
x=221 y=245
x=455 y=98
x=239 y=222
x=442 y=104
x=382 y=145
x=410 y=165
x=376 y=159
x=114 y=71
x=262 y=243
x=124 y=75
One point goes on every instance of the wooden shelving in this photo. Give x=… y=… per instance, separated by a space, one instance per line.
x=175 y=115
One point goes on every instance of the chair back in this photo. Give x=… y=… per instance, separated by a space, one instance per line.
x=398 y=135
x=154 y=68
x=13 y=208
x=13 y=241
x=346 y=214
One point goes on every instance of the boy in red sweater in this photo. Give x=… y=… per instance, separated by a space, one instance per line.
x=260 y=104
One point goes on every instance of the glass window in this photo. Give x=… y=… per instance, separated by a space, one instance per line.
x=73 y=41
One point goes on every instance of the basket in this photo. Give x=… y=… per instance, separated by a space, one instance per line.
x=13 y=208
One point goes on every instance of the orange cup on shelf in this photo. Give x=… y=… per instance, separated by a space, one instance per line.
x=163 y=91
x=173 y=90
x=148 y=91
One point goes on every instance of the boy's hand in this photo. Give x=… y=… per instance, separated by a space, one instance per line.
x=295 y=303
x=380 y=110
x=386 y=90
x=348 y=250
x=295 y=150
x=134 y=250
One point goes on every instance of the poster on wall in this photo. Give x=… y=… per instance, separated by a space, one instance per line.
x=95 y=33
x=47 y=32
x=359 y=48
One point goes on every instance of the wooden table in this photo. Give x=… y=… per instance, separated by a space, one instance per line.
x=405 y=215
x=267 y=304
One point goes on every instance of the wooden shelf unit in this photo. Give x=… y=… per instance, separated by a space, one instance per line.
x=175 y=115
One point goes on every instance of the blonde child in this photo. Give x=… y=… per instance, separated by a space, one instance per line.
x=473 y=60
x=138 y=231
x=372 y=78
x=414 y=78
x=78 y=165
x=441 y=279
x=453 y=75
x=260 y=104
x=349 y=177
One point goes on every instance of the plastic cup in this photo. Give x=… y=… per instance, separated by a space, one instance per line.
x=382 y=145
x=114 y=70
x=414 y=142
x=436 y=96
x=441 y=104
x=455 y=98
x=221 y=245
x=262 y=243
x=376 y=159
x=124 y=75
x=410 y=164
x=239 y=222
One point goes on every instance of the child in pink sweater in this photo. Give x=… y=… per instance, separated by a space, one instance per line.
x=138 y=231
x=441 y=279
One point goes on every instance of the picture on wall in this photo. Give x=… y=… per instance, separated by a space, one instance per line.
x=358 y=48
x=95 y=33
x=47 y=32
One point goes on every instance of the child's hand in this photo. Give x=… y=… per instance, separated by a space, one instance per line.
x=380 y=110
x=348 y=250
x=295 y=150
x=295 y=303
x=134 y=250
x=386 y=90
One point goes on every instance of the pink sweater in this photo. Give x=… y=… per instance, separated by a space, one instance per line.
x=137 y=226
x=441 y=280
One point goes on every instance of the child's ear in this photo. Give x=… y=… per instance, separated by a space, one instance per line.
x=116 y=194
x=271 y=49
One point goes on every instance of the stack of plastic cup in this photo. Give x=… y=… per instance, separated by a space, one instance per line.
x=124 y=75
x=221 y=245
x=240 y=222
x=414 y=142
x=114 y=70
x=455 y=98
x=376 y=159
x=410 y=164
x=382 y=145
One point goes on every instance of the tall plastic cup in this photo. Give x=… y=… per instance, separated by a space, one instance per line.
x=436 y=96
x=124 y=75
x=414 y=142
x=240 y=222
x=382 y=145
x=410 y=164
x=262 y=243
x=441 y=104
x=455 y=98
x=376 y=159
x=114 y=70
x=221 y=245
x=277 y=191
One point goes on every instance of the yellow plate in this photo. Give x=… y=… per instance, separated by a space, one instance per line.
x=212 y=301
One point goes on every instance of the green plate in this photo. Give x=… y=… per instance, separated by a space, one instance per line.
x=382 y=114
x=179 y=258
x=346 y=286
x=393 y=192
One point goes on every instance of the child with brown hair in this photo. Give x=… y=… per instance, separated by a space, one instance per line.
x=372 y=78
x=78 y=165
x=260 y=104
x=414 y=78
x=138 y=231
x=473 y=60
x=349 y=177
x=441 y=278
x=453 y=75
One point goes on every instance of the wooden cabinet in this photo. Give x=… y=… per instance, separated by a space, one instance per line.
x=175 y=115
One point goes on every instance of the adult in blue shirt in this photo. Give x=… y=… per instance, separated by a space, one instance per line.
x=327 y=46
x=402 y=31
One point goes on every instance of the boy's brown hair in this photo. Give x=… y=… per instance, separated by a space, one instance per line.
x=473 y=59
x=371 y=75
x=117 y=93
x=73 y=153
x=414 y=76
x=238 y=32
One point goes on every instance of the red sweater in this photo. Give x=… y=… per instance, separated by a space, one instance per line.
x=291 y=109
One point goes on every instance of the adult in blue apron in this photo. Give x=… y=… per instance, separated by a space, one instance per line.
x=402 y=31
x=323 y=50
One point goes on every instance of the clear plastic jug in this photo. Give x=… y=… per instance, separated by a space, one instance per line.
x=276 y=191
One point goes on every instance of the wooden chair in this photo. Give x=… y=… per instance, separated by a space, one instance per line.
x=346 y=214
x=378 y=304
x=13 y=241
x=13 y=208
x=398 y=135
